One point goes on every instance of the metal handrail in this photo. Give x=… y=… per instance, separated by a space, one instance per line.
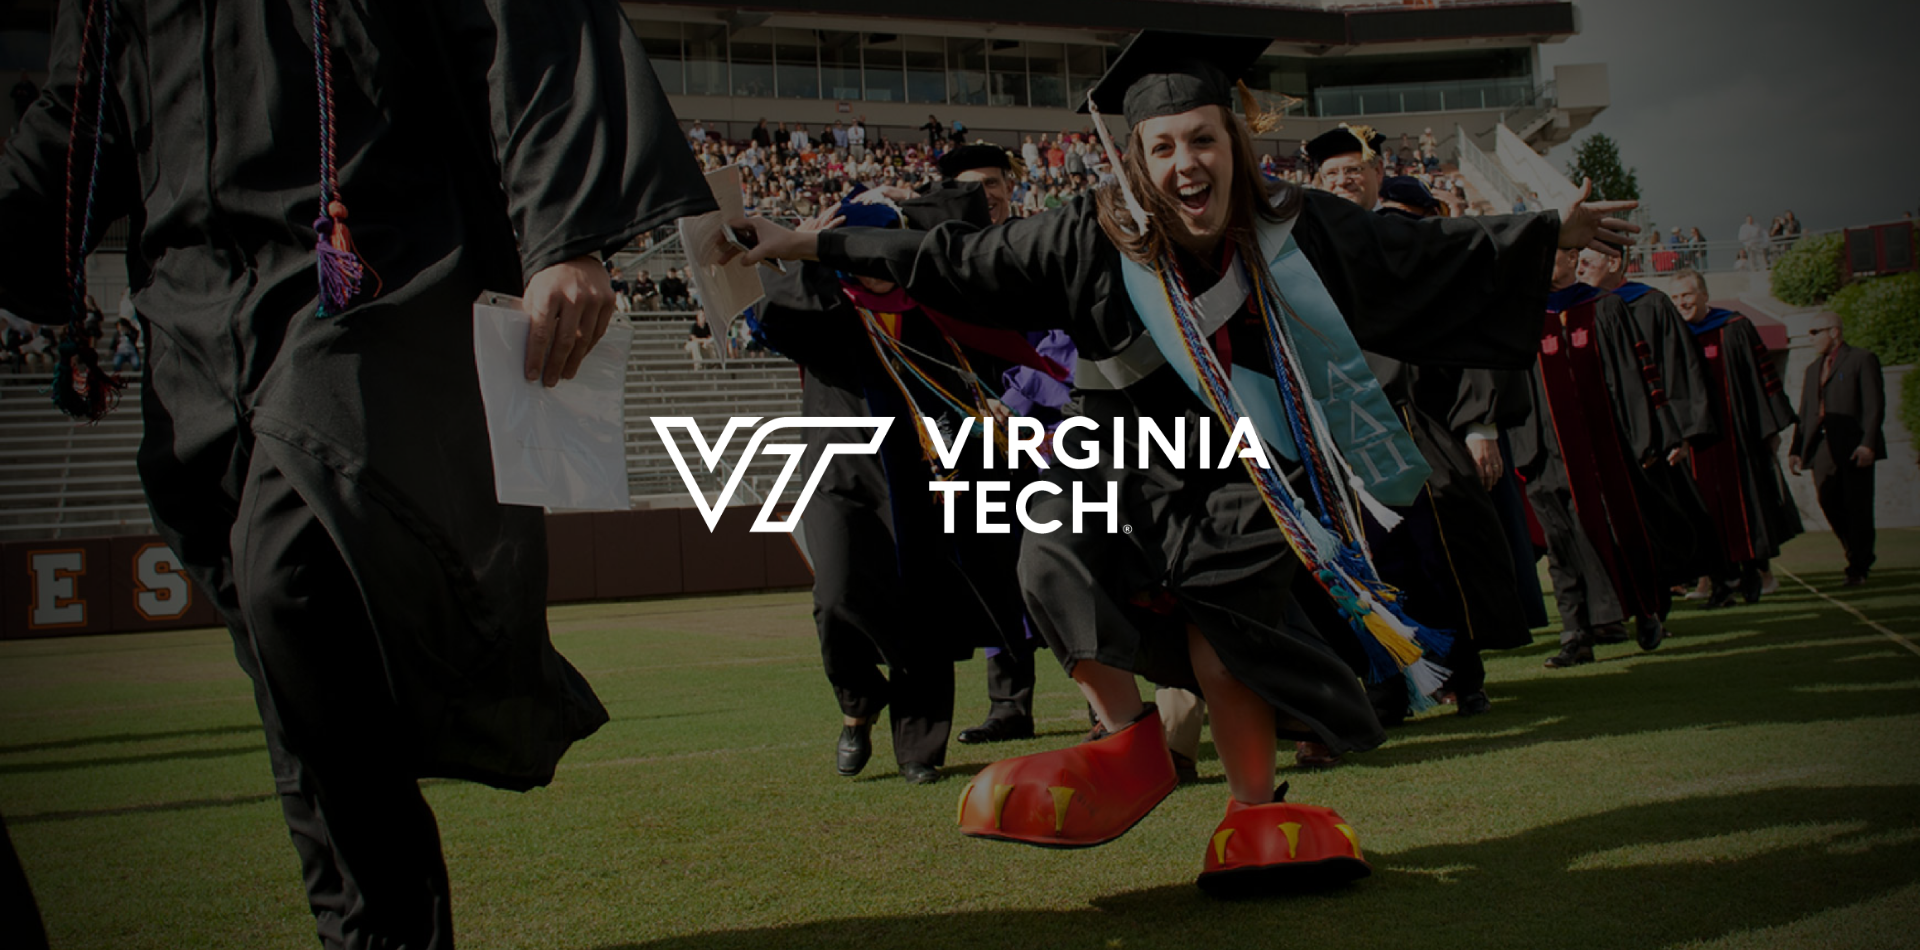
x=1504 y=187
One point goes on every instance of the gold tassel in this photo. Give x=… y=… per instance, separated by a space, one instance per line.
x=1405 y=652
x=1365 y=134
x=1259 y=120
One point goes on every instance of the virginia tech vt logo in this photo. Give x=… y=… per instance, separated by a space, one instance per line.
x=713 y=455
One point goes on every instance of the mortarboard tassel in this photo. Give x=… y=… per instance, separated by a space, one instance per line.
x=1119 y=171
x=1260 y=121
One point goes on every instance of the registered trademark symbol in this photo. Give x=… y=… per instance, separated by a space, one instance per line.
x=1126 y=529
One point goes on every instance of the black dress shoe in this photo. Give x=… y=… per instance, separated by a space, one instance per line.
x=1185 y=769
x=1855 y=580
x=919 y=773
x=1649 y=632
x=1472 y=704
x=854 y=749
x=998 y=730
x=1572 y=654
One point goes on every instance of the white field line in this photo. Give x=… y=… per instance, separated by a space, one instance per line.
x=1849 y=608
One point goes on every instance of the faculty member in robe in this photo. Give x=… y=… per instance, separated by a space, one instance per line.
x=1739 y=474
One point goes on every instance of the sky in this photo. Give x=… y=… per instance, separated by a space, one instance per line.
x=1736 y=107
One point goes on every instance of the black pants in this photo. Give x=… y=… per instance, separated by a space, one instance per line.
x=1846 y=498
x=1581 y=585
x=1010 y=678
x=865 y=620
x=368 y=844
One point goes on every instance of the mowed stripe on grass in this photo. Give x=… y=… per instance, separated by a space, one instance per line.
x=1750 y=784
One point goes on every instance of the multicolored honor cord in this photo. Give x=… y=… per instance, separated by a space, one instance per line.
x=81 y=388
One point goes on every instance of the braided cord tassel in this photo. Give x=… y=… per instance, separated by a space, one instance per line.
x=342 y=272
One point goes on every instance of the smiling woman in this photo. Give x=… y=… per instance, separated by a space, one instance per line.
x=1199 y=168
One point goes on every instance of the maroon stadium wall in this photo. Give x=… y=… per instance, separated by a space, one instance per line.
x=134 y=584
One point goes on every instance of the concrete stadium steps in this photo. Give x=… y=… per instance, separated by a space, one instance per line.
x=61 y=480
x=661 y=381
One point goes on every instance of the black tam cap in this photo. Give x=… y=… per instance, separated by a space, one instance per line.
x=1408 y=190
x=1345 y=140
x=1164 y=73
x=963 y=201
x=966 y=158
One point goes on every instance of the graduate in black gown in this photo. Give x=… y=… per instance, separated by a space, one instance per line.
x=1010 y=669
x=1193 y=594
x=881 y=558
x=326 y=480
x=1450 y=556
x=1739 y=474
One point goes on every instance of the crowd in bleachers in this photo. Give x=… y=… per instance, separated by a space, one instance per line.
x=792 y=171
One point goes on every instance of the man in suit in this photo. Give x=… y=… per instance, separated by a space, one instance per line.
x=1843 y=402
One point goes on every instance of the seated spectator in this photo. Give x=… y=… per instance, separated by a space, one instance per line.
x=644 y=293
x=699 y=338
x=673 y=291
x=622 y=302
x=126 y=346
x=15 y=334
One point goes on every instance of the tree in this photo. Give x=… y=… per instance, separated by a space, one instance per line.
x=1596 y=157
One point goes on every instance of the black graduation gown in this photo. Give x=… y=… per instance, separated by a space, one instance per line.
x=1738 y=475
x=1454 y=562
x=889 y=585
x=1591 y=575
x=477 y=142
x=1683 y=377
x=1450 y=292
x=1677 y=378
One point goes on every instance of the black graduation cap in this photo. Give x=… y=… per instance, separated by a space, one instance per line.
x=1345 y=140
x=1166 y=73
x=966 y=158
x=1408 y=190
x=945 y=201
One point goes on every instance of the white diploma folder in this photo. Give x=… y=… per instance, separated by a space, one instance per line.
x=565 y=447
x=725 y=290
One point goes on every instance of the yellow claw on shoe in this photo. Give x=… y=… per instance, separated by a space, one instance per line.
x=1220 y=845
x=1061 y=796
x=1352 y=838
x=1292 y=830
x=962 y=817
x=1000 y=793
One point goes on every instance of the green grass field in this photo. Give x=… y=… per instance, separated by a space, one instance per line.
x=1754 y=783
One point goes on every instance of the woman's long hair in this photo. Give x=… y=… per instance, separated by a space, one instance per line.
x=1249 y=195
